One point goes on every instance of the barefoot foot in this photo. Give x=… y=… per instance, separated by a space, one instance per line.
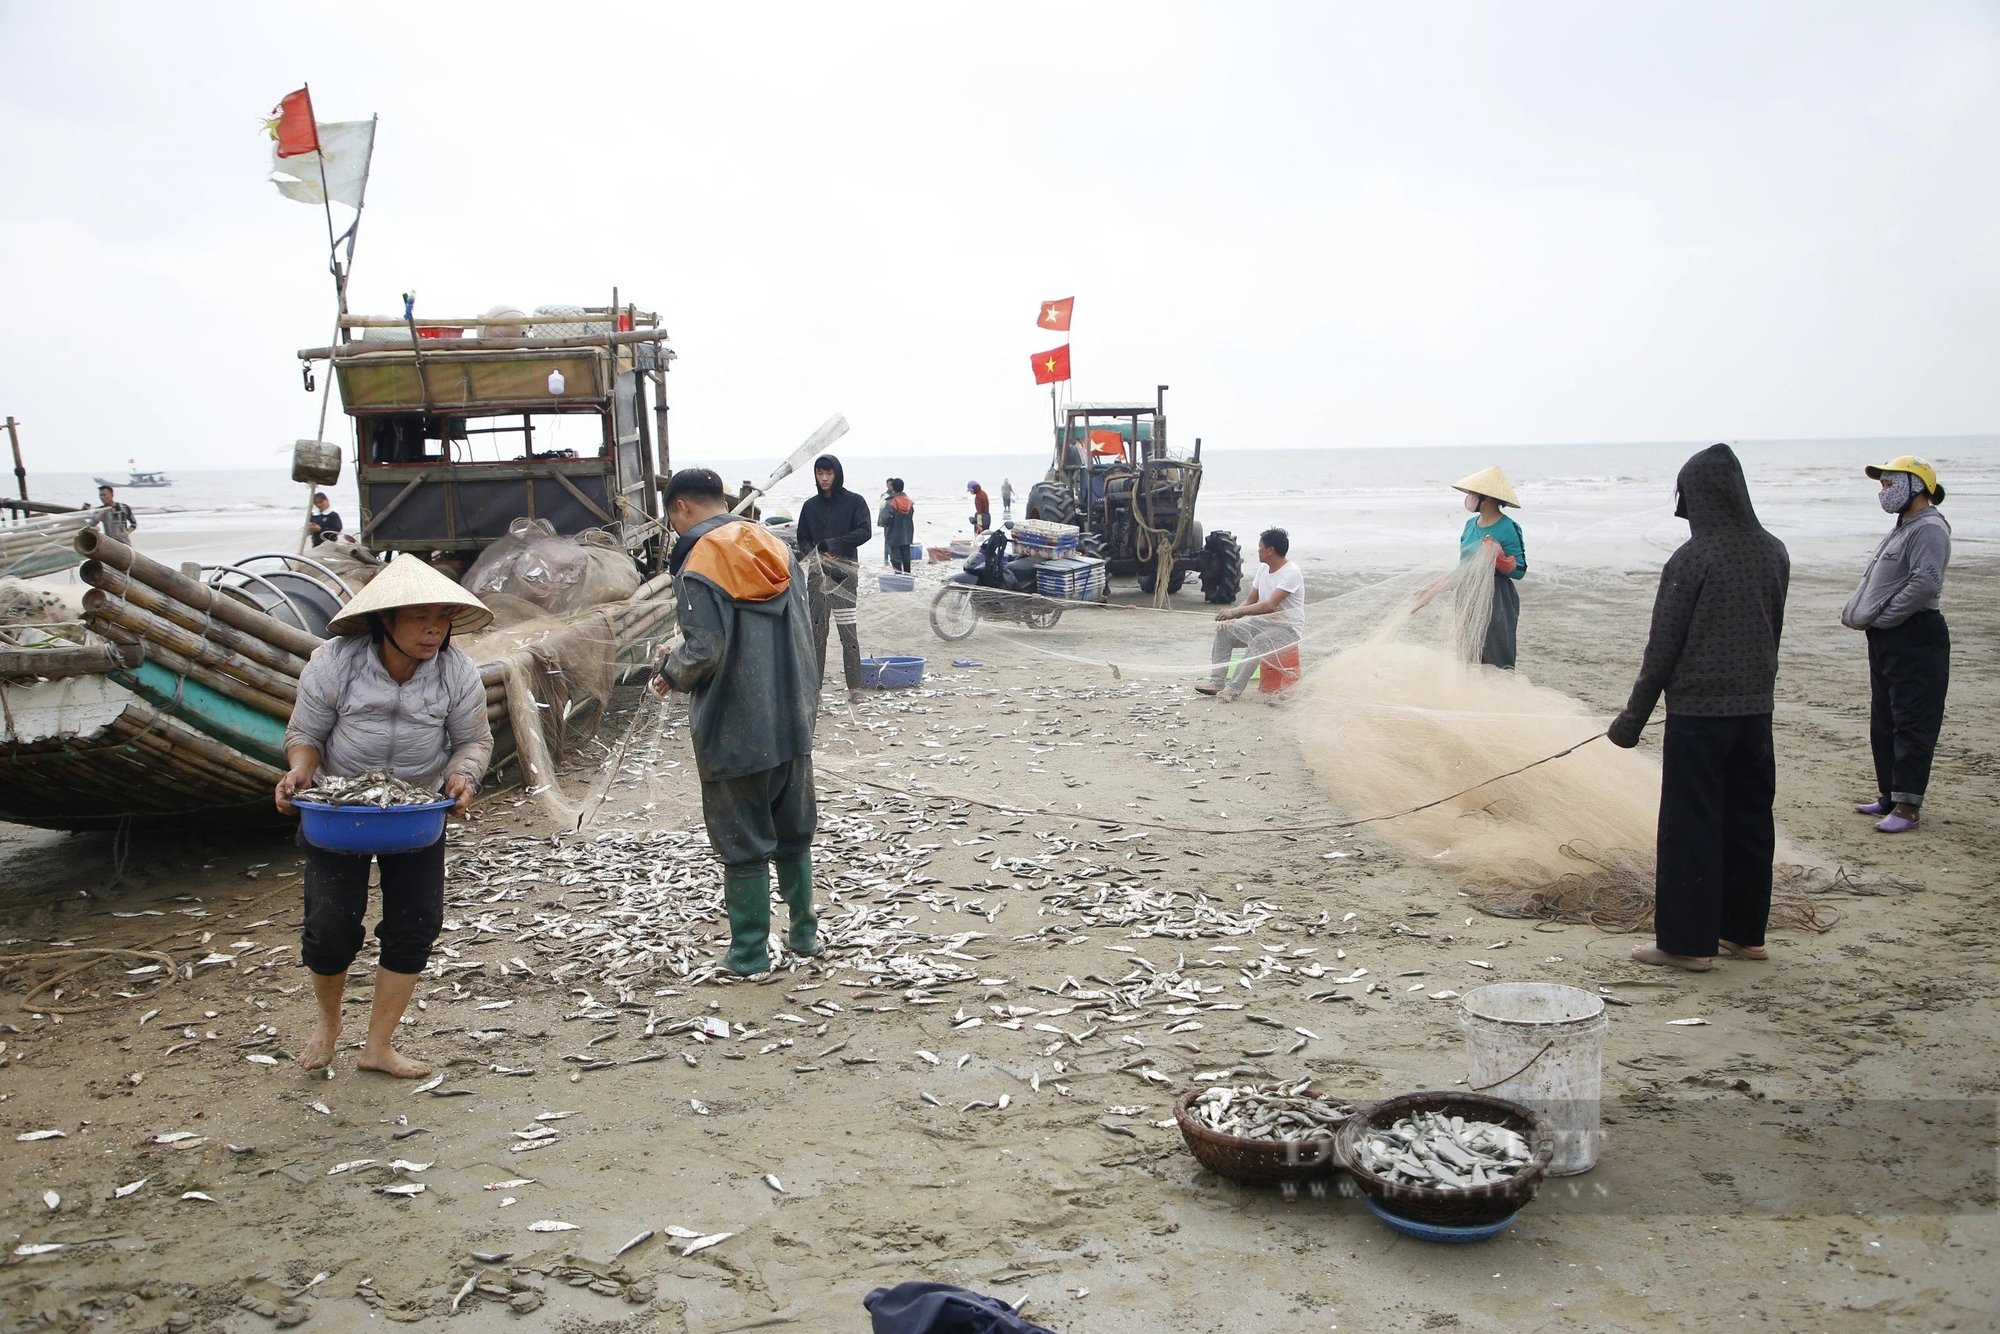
x=318 y=1053
x=389 y=1061
x=1660 y=958
x=1754 y=953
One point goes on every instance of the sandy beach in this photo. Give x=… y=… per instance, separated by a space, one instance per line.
x=1819 y=1154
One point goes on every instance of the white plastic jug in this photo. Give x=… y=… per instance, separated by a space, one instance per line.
x=1541 y=1045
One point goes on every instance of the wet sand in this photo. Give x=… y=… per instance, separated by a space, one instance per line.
x=1739 y=1183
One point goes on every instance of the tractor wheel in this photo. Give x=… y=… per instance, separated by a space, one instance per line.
x=1051 y=503
x=1150 y=581
x=1090 y=544
x=1221 y=569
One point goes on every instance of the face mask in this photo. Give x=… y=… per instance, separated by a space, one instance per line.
x=1896 y=497
x=1472 y=503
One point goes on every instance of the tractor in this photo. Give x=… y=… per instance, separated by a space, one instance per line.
x=1133 y=500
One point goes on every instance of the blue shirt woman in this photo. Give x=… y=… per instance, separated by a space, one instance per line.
x=1485 y=492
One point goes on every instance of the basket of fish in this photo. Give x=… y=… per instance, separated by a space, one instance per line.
x=1455 y=1160
x=371 y=814
x=1262 y=1134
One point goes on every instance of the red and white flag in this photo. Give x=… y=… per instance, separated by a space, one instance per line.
x=1055 y=314
x=1052 y=365
x=315 y=161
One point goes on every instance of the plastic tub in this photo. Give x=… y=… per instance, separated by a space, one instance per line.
x=891 y=673
x=363 y=831
x=1541 y=1045
x=897 y=583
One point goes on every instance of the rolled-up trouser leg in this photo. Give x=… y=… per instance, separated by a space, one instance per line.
x=336 y=893
x=412 y=907
x=336 y=908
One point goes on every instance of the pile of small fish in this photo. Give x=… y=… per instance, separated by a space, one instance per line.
x=377 y=787
x=1444 y=1152
x=1281 y=1112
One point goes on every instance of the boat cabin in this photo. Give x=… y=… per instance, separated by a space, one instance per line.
x=463 y=426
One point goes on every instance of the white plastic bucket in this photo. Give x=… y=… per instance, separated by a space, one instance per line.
x=1541 y=1045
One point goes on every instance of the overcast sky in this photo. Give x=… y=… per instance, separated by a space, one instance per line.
x=1321 y=223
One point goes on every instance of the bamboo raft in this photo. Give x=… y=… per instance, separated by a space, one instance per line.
x=173 y=710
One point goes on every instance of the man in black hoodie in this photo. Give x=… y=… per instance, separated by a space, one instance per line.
x=831 y=529
x=1713 y=650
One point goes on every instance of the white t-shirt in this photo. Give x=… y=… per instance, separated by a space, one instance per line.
x=1291 y=579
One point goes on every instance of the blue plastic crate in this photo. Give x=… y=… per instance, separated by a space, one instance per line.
x=1071 y=579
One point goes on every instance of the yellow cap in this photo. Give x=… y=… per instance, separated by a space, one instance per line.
x=1916 y=467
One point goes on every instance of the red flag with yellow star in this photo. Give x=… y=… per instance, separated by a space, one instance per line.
x=1052 y=365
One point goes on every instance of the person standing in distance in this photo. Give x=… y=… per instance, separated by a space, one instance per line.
x=324 y=525
x=745 y=659
x=898 y=520
x=833 y=525
x=114 y=516
x=982 y=508
x=1909 y=645
x=1713 y=650
x=1006 y=500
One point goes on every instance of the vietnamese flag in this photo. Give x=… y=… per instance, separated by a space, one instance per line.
x=1107 y=442
x=295 y=131
x=1055 y=314
x=1052 y=365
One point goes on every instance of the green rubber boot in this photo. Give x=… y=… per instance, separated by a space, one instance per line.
x=795 y=884
x=748 y=899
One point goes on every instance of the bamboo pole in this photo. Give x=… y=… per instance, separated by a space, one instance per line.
x=206 y=653
x=351 y=351
x=220 y=682
x=81 y=660
x=429 y=322
x=168 y=752
x=193 y=593
x=120 y=585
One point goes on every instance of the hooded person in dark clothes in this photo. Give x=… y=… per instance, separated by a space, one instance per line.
x=1909 y=645
x=1713 y=650
x=833 y=525
x=746 y=660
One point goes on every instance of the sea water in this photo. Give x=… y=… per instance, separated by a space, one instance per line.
x=1582 y=506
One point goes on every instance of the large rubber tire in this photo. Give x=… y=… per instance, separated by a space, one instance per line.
x=1221 y=569
x=1149 y=581
x=1051 y=503
x=954 y=613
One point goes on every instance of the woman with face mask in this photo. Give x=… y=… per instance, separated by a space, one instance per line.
x=1495 y=538
x=1909 y=645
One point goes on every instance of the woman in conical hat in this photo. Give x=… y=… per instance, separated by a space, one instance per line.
x=387 y=693
x=1491 y=537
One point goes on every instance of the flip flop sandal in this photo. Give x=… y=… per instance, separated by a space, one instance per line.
x=1754 y=953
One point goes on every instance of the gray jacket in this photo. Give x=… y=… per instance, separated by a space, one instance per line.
x=352 y=711
x=1904 y=576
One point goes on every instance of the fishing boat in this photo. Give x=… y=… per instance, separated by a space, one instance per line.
x=164 y=700
x=139 y=477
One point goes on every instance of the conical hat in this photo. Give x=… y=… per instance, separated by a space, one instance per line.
x=409 y=581
x=1490 y=482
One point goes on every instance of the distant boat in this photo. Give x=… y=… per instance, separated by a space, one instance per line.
x=138 y=478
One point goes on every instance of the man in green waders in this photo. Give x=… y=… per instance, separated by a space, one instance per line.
x=746 y=659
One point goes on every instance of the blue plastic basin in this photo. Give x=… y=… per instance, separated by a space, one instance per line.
x=1460 y=1236
x=370 y=830
x=891 y=673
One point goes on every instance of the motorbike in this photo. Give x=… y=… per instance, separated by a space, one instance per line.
x=991 y=585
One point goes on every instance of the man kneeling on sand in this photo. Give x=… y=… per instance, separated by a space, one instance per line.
x=1271 y=618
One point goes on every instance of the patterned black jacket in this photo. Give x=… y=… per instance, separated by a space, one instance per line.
x=1720 y=611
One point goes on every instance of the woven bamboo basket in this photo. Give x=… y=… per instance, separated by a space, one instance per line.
x=1253 y=1162
x=1465 y=1206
